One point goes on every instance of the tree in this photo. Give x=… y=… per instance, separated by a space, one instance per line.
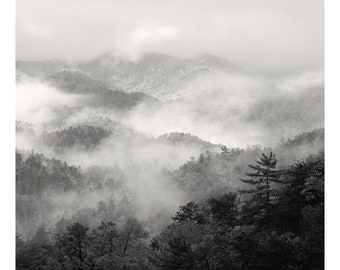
x=102 y=210
x=301 y=208
x=303 y=186
x=32 y=255
x=131 y=231
x=74 y=244
x=111 y=209
x=224 y=210
x=105 y=246
x=190 y=212
x=105 y=238
x=263 y=178
x=182 y=246
x=131 y=246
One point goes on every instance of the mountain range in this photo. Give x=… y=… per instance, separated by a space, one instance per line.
x=155 y=75
x=206 y=96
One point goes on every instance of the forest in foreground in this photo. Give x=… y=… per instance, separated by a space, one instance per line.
x=273 y=220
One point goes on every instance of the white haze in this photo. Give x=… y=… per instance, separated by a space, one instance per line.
x=214 y=107
x=263 y=35
x=141 y=159
x=217 y=107
x=36 y=101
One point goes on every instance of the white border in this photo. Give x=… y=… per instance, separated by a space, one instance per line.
x=7 y=139
x=7 y=114
x=332 y=105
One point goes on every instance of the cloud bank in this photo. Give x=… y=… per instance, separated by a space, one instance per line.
x=264 y=34
x=36 y=101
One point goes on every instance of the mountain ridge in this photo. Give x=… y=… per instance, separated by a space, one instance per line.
x=156 y=75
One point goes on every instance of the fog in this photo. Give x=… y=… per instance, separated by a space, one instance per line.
x=36 y=101
x=264 y=35
x=40 y=109
x=233 y=110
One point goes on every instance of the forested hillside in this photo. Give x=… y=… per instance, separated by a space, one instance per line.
x=101 y=195
x=81 y=136
x=273 y=221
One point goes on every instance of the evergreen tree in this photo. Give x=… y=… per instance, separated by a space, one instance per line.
x=224 y=209
x=263 y=179
x=304 y=182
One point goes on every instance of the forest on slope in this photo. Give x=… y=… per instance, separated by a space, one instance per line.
x=275 y=221
x=144 y=165
x=75 y=218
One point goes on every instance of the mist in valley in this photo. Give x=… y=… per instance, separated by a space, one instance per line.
x=216 y=107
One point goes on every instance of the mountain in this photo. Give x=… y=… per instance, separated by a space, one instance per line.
x=87 y=136
x=155 y=74
x=189 y=95
x=100 y=93
x=76 y=81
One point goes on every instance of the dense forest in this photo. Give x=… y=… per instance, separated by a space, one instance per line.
x=271 y=219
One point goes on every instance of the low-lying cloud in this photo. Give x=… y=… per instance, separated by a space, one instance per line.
x=36 y=102
x=238 y=110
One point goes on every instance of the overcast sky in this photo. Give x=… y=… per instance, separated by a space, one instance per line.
x=260 y=34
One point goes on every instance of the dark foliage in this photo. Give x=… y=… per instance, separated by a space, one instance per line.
x=233 y=237
x=108 y=246
x=221 y=232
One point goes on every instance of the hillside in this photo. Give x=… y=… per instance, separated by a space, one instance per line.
x=160 y=76
x=205 y=96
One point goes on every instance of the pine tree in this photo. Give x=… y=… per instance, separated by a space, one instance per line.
x=263 y=178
